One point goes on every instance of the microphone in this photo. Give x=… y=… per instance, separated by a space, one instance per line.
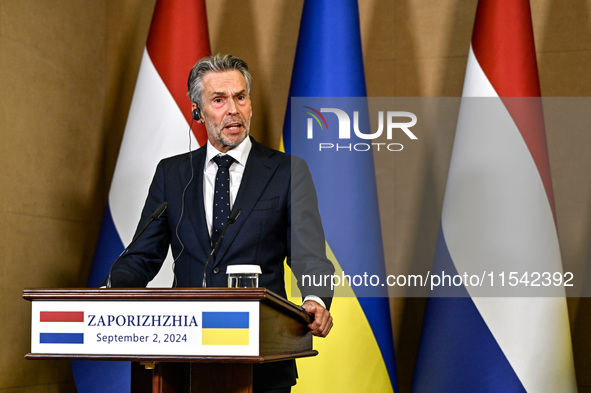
x=155 y=215
x=233 y=216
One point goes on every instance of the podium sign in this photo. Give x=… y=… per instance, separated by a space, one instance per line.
x=203 y=340
x=251 y=325
x=175 y=328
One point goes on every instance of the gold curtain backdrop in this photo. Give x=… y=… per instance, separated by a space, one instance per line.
x=67 y=74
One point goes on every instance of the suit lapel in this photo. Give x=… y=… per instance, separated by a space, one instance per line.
x=259 y=170
x=194 y=207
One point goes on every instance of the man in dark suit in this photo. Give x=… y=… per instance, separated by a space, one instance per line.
x=278 y=218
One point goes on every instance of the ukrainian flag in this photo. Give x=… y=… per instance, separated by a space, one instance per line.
x=225 y=328
x=360 y=347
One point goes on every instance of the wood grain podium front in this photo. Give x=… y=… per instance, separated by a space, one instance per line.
x=178 y=340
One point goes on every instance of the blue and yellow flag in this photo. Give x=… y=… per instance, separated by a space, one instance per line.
x=225 y=328
x=359 y=349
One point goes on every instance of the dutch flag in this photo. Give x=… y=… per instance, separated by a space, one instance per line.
x=498 y=212
x=61 y=327
x=157 y=127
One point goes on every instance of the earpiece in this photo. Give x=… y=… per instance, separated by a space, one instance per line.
x=197 y=114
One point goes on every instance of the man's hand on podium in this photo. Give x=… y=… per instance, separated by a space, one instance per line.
x=322 y=319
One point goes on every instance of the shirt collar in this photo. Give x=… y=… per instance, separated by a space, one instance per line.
x=239 y=153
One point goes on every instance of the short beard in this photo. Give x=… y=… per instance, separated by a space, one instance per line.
x=218 y=135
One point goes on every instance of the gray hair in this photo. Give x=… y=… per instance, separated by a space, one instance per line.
x=215 y=63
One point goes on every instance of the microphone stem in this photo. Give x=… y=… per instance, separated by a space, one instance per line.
x=231 y=220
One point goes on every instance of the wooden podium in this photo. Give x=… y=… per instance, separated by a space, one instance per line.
x=178 y=340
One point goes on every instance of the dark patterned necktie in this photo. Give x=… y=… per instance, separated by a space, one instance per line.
x=221 y=196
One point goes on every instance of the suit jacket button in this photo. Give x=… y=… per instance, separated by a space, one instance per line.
x=216 y=270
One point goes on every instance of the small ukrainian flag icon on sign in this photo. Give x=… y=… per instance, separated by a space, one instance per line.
x=225 y=328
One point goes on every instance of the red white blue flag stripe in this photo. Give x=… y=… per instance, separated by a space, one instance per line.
x=61 y=327
x=157 y=127
x=498 y=209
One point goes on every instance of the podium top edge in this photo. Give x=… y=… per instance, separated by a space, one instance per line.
x=148 y=294
x=165 y=294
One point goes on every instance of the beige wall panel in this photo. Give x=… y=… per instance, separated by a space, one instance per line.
x=382 y=77
x=561 y=26
x=52 y=72
x=568 y=143
x=35 y=252
x=431 y=77
x=264 y=33
x=565 y=74
x=411 y=185
x=379 y=29
x=437 y=29
x=49 y=181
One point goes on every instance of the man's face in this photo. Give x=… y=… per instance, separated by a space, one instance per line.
x=226 y=108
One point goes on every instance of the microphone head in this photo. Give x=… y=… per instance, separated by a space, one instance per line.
x=158 y=212
x=234 y=215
